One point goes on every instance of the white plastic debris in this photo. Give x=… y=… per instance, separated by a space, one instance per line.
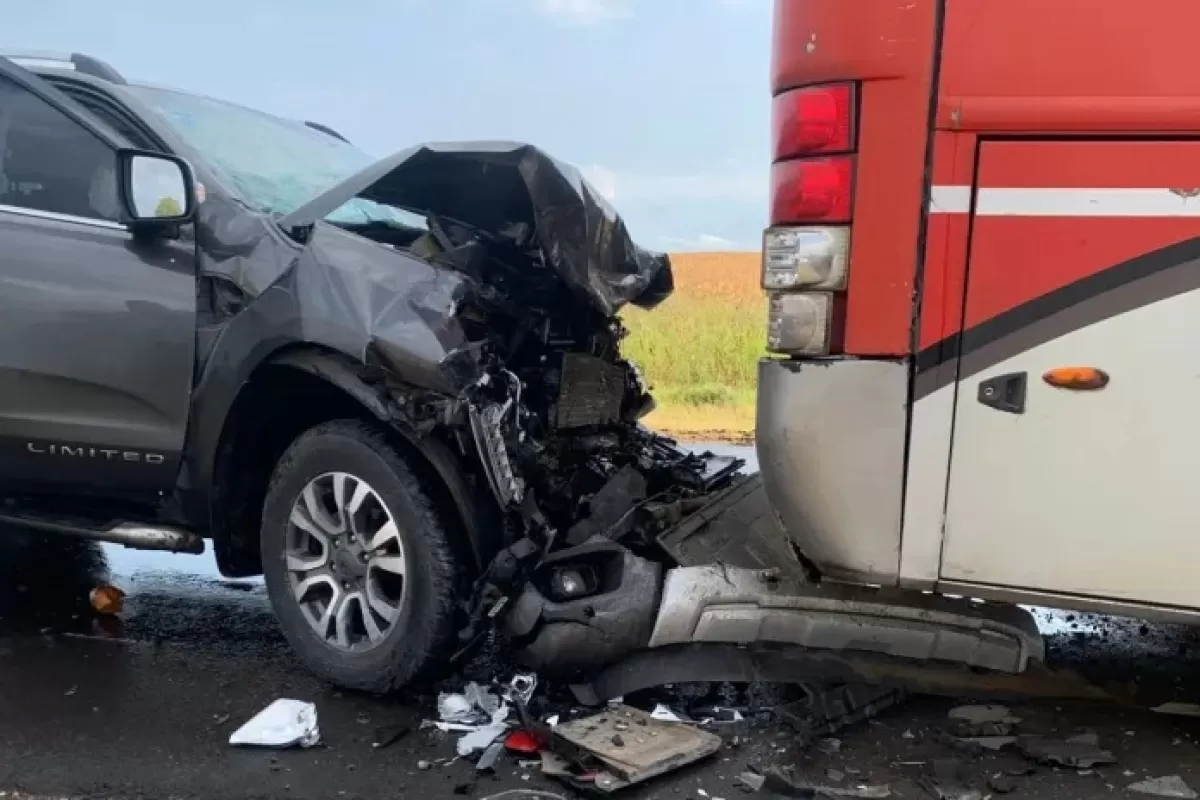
x=1167 y=786
x=284 y=723
x=455 y=708
x=480 y=738
x=477 y=712
x=664 y=714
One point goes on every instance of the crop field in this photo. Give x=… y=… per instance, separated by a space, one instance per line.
x=699 y=349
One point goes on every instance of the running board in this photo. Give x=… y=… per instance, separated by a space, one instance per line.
x=715 y=604
x=134 y=535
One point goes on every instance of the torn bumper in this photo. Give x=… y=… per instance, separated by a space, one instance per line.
x=717 y=623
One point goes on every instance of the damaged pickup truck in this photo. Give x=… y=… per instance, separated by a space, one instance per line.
x=395 y=388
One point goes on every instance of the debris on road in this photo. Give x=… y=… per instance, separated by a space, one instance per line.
x=948 y=779
x=623 y=746
x=487 y=761
x=663 y=713
x=107 y=599
x=1081 y=751
x=389 y=735
x=1166 y=786
x=983 y=720
x=1002 y=783
x=523 y=743
x=1178 y=709
x=752 y=781
x=478 y=713
x=780 y=783
x=285 y=723
x=978 y=743
x=826 y=710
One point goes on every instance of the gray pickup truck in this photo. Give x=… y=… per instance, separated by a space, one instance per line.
x=393 y=387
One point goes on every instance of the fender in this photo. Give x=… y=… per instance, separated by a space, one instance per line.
x=483 y=539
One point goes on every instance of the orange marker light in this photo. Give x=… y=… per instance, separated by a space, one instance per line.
x=1078 y=378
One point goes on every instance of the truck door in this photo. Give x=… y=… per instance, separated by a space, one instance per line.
x=97 y=328
x=1084 y=259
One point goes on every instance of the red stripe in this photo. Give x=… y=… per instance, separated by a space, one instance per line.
x=946 y=244
x=1017 y=259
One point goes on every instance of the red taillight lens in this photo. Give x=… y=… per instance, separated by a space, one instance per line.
x=806 y=261
x=812 y=190
x=812 y=121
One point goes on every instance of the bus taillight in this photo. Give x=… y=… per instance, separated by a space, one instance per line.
x=806 y=251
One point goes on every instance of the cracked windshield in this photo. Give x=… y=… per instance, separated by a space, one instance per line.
x=548 y=399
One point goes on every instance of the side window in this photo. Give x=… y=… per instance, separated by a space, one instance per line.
x=49 y=162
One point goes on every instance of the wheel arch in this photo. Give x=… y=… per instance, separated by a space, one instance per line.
x=334 y=386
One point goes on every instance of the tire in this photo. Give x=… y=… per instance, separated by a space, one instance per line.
x=422 y=633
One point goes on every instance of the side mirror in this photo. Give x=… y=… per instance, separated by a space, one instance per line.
x=156 y=188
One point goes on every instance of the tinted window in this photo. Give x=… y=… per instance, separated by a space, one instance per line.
x=49 y=162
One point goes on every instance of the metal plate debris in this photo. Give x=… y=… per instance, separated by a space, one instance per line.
x=633 y=745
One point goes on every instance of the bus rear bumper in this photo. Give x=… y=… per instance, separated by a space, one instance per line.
x=831 y=441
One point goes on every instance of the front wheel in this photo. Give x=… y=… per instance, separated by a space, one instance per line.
x=357 y=560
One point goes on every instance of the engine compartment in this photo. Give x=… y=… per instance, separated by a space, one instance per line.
x=552 y=426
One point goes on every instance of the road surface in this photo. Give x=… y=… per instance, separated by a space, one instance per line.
x=143 y=705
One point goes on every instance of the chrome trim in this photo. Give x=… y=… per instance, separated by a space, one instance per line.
x=56 y=217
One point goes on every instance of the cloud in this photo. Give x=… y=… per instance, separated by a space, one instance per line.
x=734 y=185
x=585 y=12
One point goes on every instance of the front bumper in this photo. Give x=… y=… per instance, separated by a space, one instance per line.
x=831 y=438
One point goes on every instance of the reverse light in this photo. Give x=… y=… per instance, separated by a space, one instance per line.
x=811 y=190
x=805 y=258
x=813 y=120
x=800 y=324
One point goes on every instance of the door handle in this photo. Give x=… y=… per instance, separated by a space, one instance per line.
x=1005 y=392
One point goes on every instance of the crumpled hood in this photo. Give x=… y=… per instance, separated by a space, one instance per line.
x=514 y=191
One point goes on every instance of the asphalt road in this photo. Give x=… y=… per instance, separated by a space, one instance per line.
x=143 y=705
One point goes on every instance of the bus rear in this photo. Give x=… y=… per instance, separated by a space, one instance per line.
x=851 y=120
x=983 y=265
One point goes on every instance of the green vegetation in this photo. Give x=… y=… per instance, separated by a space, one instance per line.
x=700 y=349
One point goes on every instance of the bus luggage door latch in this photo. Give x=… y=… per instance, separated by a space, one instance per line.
x=1005 y=392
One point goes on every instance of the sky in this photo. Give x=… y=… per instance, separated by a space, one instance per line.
x=662 y=103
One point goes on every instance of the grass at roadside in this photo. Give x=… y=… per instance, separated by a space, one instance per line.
x=699 y=349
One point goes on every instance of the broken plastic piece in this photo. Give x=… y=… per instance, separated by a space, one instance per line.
x=284 y=723
x=107 y=599
x=491 y=755
x=664 y=714
x=989 y=720
x=455 y=708
x=752 y=781
x=1080 y=752
x=480 y=738
x=523 y=742
x=1166 y=786
x=994 y=743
